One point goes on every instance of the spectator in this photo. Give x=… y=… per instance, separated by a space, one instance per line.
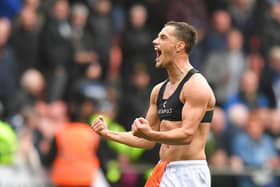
x=35 y=5
x=248 y=93
x=8 y=144
x=269 y=33
x=217 y=149
x=224 y=67
x=241 y=12
x=82 y=41
x=136 y=43
x=218 y=134
x=117 y=159
x=26 y=31
x=263 y=70
x=256 y=149
x=256 y=63
x=31 y=91
x=271 y=77
x=199 y=54
x=260 y=12
x=273 y=128
x=89 y=91
x=76 y=165
x=100 y=23
x=54 y=120
x=216 y=36
x=27 y=157
x=135 y=100
x=57 y=49
x=237 y=117
x=18 y=159
x=8 y=74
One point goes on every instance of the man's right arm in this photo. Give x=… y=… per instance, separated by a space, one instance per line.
x=100 y=127
x=128 y=139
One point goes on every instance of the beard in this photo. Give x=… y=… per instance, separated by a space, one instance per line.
x=158 y=65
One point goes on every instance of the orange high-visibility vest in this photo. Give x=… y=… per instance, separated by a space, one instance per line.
x=76 y=162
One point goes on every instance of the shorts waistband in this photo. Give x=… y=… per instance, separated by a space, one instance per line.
x=187 y=163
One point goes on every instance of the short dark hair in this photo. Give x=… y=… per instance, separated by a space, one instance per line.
x=184 y=32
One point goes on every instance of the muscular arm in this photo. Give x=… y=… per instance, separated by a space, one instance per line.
x=195 y=96
x=128 y=138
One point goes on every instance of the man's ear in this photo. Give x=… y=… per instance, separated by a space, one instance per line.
x=180 y=46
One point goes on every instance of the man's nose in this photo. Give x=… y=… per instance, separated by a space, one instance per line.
x=155 y=41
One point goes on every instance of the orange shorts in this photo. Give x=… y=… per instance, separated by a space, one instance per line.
x=158 y=171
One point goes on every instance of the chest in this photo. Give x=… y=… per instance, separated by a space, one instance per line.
x=170 y=106
x=169 y=91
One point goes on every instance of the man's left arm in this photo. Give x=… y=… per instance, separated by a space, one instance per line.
x=195 y=96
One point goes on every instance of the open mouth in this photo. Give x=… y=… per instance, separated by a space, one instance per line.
x=158 y=52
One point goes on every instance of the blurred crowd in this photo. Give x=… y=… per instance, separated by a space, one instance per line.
x=64 y=61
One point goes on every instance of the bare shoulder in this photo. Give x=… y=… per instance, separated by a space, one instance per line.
x=197 y=89
x=155 y=91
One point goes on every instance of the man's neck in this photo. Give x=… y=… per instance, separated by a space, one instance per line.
x=178 y=69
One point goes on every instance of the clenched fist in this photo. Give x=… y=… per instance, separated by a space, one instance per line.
x=141 y=128
x=99 y=126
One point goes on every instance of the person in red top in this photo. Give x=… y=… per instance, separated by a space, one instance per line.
x=179 y=115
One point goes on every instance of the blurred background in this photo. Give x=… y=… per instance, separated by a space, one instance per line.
x=62 y=62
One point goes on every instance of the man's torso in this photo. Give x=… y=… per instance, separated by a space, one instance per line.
x=170 y=120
